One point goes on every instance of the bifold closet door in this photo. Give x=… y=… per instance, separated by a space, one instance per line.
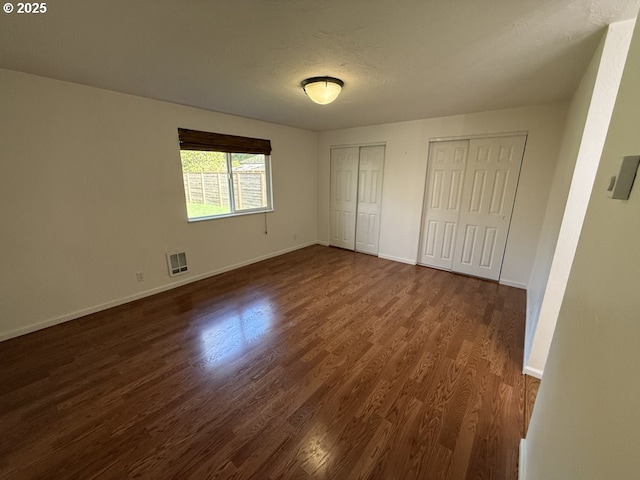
x=369 y=197
x=356 y=193
x=344 y=196
x=445 y=178
x=470 y=191
x=493 y=168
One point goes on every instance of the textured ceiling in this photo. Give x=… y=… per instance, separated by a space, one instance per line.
x=400 y=60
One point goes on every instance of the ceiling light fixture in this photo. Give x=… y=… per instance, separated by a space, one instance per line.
x=322 y=90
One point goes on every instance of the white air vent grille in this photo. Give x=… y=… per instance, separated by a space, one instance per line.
x=177 y=262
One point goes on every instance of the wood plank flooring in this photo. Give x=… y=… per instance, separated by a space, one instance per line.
x=318 y=364
x=531 y=386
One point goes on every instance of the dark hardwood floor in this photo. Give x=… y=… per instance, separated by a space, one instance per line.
x=531 y=386
x=318 y=364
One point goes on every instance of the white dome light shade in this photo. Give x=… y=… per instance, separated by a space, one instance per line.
x=322 y=90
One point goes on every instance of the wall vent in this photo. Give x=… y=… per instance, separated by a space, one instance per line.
x=177 y=263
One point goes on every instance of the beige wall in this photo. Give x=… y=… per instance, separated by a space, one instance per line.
x=589 y=115
x=585 y=424
x=91 y=192
x=405 y=169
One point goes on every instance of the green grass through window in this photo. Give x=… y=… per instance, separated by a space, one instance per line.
x=197 y=210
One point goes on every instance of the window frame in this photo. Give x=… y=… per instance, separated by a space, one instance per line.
x=228 y=145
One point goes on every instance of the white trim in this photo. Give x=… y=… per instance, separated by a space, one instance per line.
x=241 y=213
x=478 y=135
x=372 y=144
x=533 y=372
x=435 y=267
x=147 y=293
x=324 y=244
x=527 y=330
x=508 y=283
x=511 y=283
x=522 y=460
x=409 y=261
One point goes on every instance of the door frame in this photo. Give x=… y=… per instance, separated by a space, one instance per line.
x=478 y=136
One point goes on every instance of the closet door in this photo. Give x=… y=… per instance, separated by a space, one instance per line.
x=343 y=197
x=369 y=197
x=491 y=178
x=445 y=178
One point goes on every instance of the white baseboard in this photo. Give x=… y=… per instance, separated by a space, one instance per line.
x=409 y=261
x=522 y=473
x=511 y=283
x=147 y=293
x=534 y=372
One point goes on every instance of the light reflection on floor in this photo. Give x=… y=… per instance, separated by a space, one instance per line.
x=231 y=336
x=315 y=455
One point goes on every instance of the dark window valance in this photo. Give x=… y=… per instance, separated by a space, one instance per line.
x=217 y=142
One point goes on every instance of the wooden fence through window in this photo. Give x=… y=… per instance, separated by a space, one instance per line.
x=212 y=188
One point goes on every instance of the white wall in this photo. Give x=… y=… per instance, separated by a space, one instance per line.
x=405 y=169
x=586 y=420
x=588 y=119
x=91 y=192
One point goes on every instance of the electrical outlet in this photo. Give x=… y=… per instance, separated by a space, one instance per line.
x=140 y=276
x=295 y=236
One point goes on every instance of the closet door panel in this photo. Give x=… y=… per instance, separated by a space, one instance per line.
x=493 y=167
x=443 y=196
x=344 y=196
x=369 y=199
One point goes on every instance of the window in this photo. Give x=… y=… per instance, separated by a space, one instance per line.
x=224 y=175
